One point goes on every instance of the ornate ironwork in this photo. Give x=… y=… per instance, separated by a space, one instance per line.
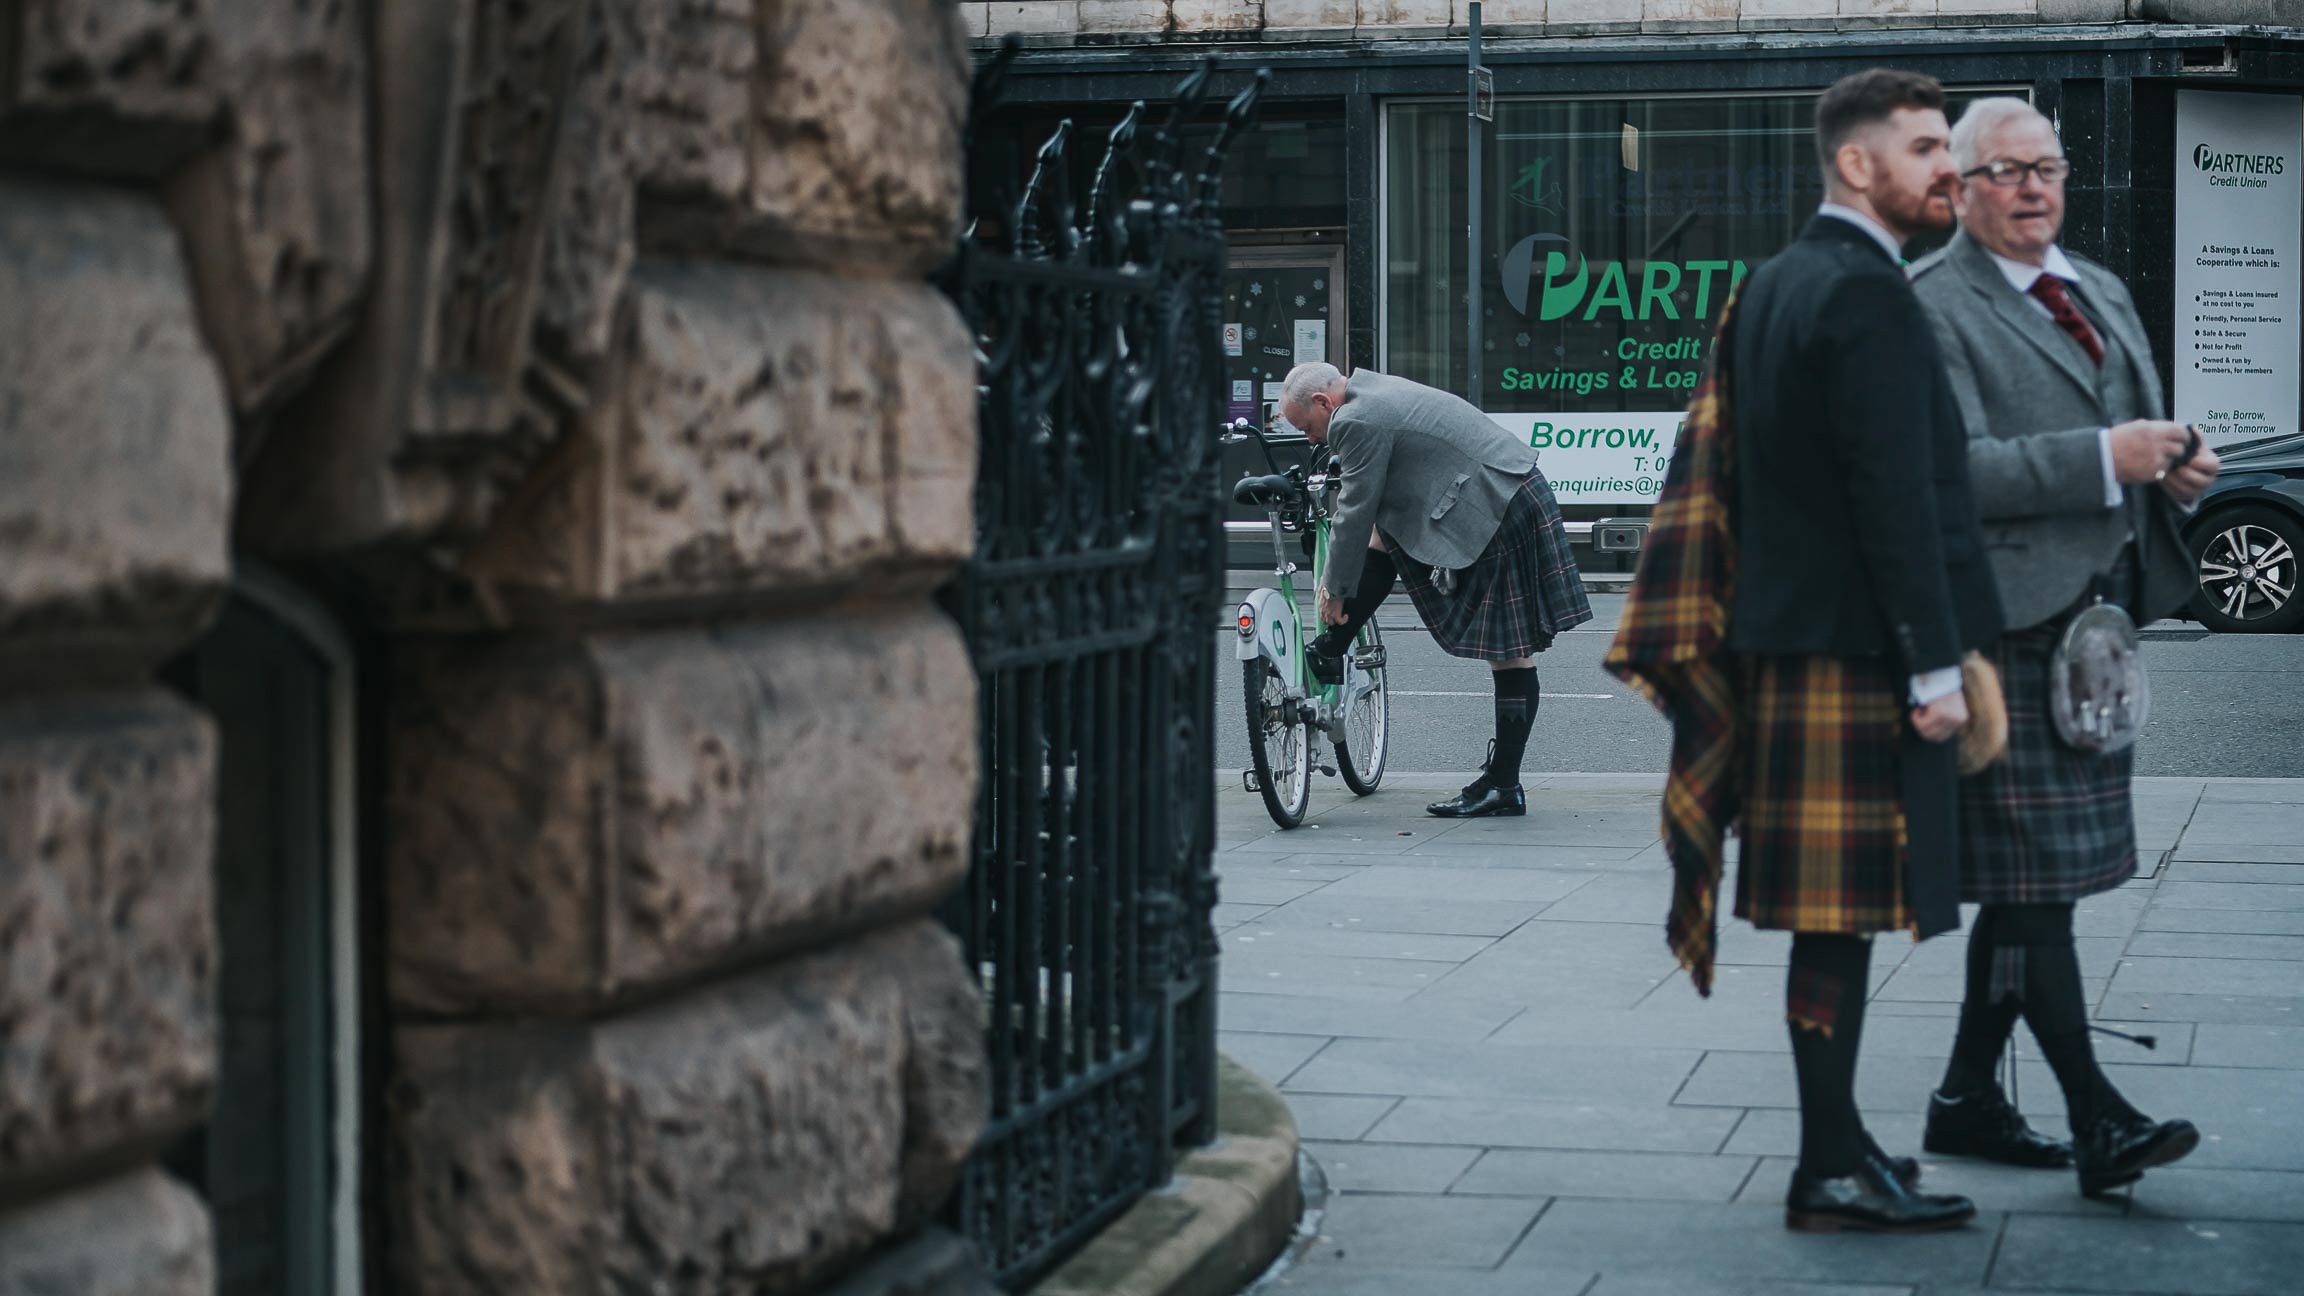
x=1086 y=913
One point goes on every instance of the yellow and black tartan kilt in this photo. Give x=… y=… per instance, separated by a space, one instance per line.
x=1823 y=826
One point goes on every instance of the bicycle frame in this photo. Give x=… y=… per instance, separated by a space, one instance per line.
x=1272 y=623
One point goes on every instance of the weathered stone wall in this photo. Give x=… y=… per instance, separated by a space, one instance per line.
x=580 y=350
x=1088 y=22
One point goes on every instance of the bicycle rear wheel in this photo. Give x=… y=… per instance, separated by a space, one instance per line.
x=1368 y=728
x=1279 y=743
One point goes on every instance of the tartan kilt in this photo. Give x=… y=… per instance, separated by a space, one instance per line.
x=1520 y=593
x=1823 y=842
x=2045 y=824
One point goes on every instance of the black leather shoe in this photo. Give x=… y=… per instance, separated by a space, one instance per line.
x=1981 y=1123
x=1872 y=1200
x=1326 y=668
x=1479 y=801
x=1906 y=1169
x=2116 y=1150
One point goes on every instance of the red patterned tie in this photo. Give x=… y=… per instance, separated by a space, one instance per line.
x=2050 y=290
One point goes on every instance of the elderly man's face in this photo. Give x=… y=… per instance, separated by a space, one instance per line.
x=2018 y=221
x=1311 y=417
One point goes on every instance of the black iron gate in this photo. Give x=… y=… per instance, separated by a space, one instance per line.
x=1088 y=607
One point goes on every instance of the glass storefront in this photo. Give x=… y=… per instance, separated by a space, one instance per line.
x=1613 y=231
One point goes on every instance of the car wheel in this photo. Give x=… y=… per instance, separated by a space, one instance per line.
x=2247 y=558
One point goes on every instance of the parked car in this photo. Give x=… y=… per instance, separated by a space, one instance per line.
x=2247 y=538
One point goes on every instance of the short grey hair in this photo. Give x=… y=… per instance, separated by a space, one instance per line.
x=1984 y=119
x=1307 y=380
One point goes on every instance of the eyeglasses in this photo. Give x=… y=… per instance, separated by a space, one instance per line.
x=2008 y=175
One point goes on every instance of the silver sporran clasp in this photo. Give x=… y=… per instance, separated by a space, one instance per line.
x=2098 y=694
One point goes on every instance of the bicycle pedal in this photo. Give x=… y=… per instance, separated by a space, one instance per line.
x=1248 y=781
x=1328 y=770
x=1371 y=659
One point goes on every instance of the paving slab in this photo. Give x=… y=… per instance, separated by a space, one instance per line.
x=1513 y=1089
x=1392 y=1167
x=1744 y=1241
x=1569 y=1126
x=1486 y=1070
x=1422 y=1019
x=2183 y=1258
x=1274 y=1057
x=1337 y=1116
x=1631 y=1176
x=2226 y=1045
x=1423 y=1231
x=1422 y=914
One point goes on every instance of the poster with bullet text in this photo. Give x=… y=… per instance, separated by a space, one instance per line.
x=2239 y=189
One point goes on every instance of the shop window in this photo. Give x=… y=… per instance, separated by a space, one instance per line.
x=1614 y=231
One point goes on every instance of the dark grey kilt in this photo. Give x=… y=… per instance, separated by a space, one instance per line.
x=2045 y=824
x=1521 y=591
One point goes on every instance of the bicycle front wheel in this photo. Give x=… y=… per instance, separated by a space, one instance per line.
x=1368 y=724
x=1279 y=743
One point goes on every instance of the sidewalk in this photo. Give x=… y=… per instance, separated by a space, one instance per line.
x=1511 y=1087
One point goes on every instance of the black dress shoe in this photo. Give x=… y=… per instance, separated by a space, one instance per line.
x=2118 y=1149
x=1906 y=1169
x=1481 y=800
x=1872 y=1200
x=1326 y=667
x=1981 y=1123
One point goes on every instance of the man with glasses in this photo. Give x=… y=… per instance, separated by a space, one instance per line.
x=2080 y=485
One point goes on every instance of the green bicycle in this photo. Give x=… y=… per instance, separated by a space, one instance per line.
x=1289 y=708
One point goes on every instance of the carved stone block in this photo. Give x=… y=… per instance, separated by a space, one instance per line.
x=107 y=942
x=142 y=1234
x=95 y=85
x=763 y=432
x=748 y=1136
x=275 y=219
x=575 y=821
x=833 y=141
x=115 y=443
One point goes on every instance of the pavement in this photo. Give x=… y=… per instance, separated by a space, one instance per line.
x=1510 y=1087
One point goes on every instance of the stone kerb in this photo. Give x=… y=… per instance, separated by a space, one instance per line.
x=754 y=1135
x=579 y=822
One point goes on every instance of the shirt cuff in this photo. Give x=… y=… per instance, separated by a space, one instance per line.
x=2111 y=478
x=1935 y=684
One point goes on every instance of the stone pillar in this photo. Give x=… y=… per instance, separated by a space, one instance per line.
x=581 y=351
x=114 y=501
x=680 y=755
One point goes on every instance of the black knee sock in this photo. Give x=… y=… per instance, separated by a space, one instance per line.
x=1985 y=1023
x=1377 y=576
x=1824 y=1003
x=1516 y=703
x=2057 y=1010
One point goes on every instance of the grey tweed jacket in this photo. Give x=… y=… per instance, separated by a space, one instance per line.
x=1428 y=469
x=2034 y=408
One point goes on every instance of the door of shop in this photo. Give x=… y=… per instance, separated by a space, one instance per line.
x=1283 y=305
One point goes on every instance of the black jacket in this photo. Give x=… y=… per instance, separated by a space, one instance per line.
x=1856 y=531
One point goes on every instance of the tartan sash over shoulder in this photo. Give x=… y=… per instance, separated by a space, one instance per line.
x=1672 y=647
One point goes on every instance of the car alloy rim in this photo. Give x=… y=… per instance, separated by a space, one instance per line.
x=2248 y=572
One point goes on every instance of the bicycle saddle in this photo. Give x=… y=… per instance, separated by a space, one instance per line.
x=1271 y=488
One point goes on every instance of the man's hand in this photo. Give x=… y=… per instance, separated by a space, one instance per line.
x=1331 y=609
x=2142 y=449
x=2189 y=482
x=1940 y=720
